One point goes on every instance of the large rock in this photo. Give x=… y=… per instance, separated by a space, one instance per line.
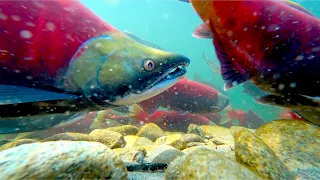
x=135 y=141
x=204 y=163
x=151 y=131
x=175 y=140
x=218 y=134
x=254 y=153
x=61 y=160
x=234 y=129
x=296 y=144
x=16 y=143
x=69 y=136
x=109 y=138
x=163 y=154
x=124 y=130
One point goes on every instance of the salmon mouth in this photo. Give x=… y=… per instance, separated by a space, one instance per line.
x=173 y=73
x=153 y=85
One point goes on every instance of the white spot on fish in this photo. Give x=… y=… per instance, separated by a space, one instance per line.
x=130 y=86
x=15 y=18
x=281 y=86
x=29 y=77
x=97 y=45
x=245 y=29
x=50 y=26
x=25 y=34
x=295 y=22
x=16 y=71
x=176 y=93
x=293 y=85
x=110 y=69
x=298 y=58
x=3 y=51
x=68 y=36
x=28 y=58
x=92 y=87
x=3 y=17
x=315 y=49
x=273 y=27
x=30 y=24
x=229 y=33
x=311 y=57
x=254 y=13
x=263 y=27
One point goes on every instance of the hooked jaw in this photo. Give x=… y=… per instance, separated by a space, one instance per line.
x=156 y=83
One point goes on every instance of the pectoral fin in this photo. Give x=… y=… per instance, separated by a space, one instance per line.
x=37 y=123
x=10 y=94
x=23 y=101
x=203 y=32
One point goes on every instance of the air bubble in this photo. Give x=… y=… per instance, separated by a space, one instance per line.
x=293 y=85
x=281 y=86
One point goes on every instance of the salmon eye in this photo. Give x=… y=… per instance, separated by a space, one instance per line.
x=148 y=65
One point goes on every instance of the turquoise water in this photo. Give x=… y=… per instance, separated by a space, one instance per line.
x=169 y=24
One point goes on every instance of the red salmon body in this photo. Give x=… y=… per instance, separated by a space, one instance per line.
x=188 y=96
x=39 y=38
x=273 y=43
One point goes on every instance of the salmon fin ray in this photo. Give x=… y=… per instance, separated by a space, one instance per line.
x=203 y=32
x=225 y=119
x=135 y=110
x=71 y=120
x=296 y=102
x=150 y=106
x=33 y=123
x=297 y=6
x=229 y=71
x=10 y=94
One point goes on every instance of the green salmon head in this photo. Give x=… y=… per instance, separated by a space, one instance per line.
x=116 y=70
